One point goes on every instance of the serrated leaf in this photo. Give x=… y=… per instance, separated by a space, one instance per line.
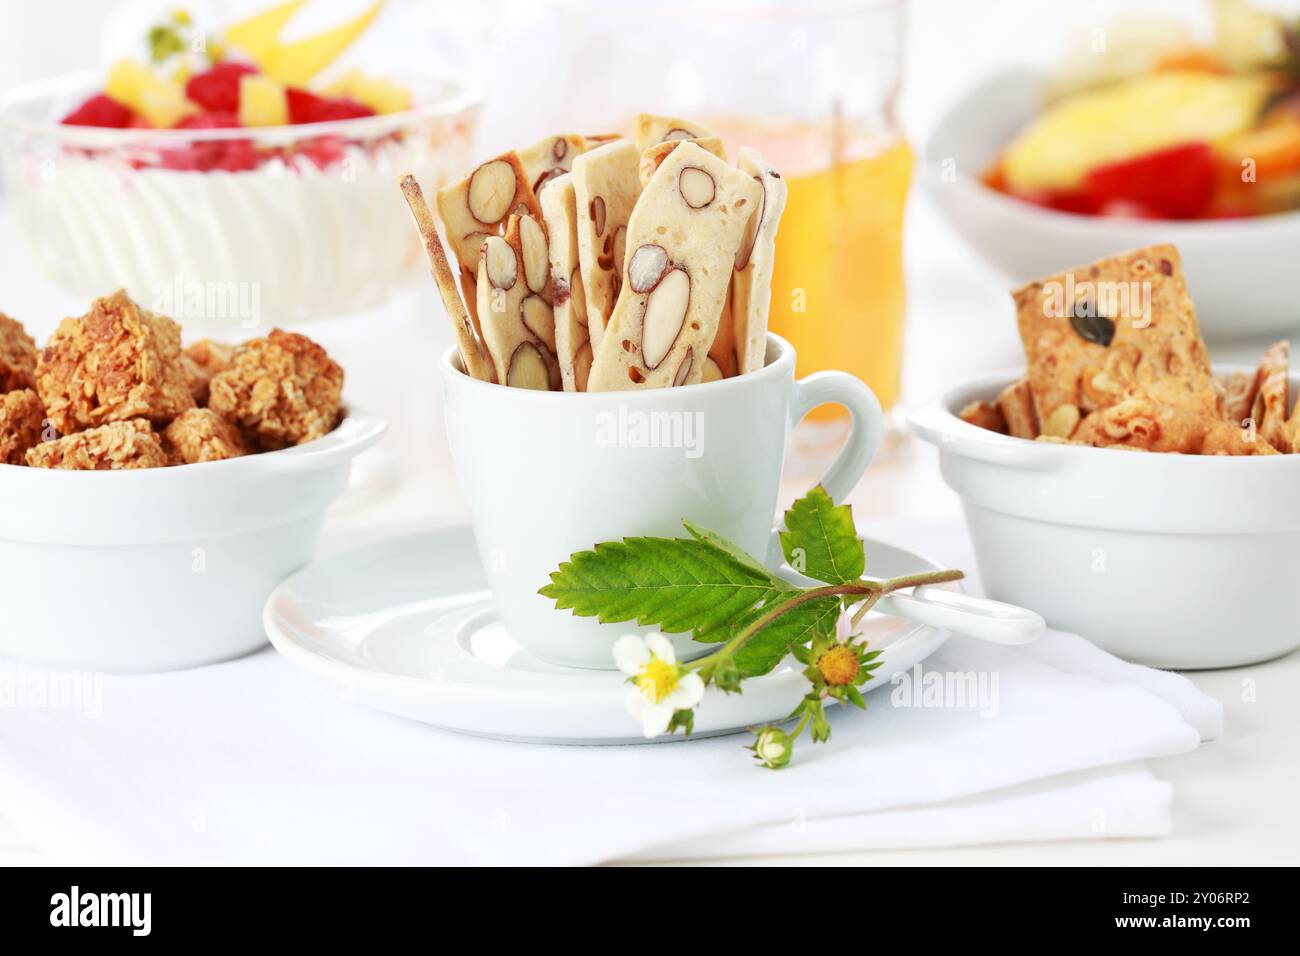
x=735 y=550
x=676 y=584
x=821 y=541
x=769 y=646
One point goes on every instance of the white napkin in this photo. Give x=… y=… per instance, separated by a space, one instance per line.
x=254 y=762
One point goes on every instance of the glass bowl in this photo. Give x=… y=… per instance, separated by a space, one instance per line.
x=225 y=228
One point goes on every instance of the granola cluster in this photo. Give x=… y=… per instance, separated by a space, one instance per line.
x=114 y=390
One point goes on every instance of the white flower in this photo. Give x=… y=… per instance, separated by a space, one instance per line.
x=660 y=686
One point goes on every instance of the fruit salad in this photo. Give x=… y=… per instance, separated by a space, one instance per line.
x=243 y=78
x=1192 y=132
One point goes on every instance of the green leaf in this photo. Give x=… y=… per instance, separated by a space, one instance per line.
x=821 y=541
x=710 y=634
x=771 y=644
x=676 y=584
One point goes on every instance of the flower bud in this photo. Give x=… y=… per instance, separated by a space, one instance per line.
x=772 y=748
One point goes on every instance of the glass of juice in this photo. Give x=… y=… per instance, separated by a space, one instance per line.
x=811 y=85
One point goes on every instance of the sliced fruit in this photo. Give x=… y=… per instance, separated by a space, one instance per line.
x=381 y=95
x=1129 y=119
x=294 y=64
x=100 y=110
x=1274 y=148
x=161 y=103
x=305 y=107
x=259 y=34
x=262 y=102
x=217 y=89
x=1176 y=183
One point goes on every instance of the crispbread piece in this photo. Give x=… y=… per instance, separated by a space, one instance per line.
x=985 y=415
x=471 y=351
x=1153 y=349
x=114 y=363
x=478 y=206
x=17 y=356
x=1239 y=391
x=751 y=286
x=652 y=129
x=652 y=156
x=682 y=242
x=22 y=422
x=550 y=158
x=605 y=187
x=569 y=300
x=1017 y=406
x=518 y=325
x=1141 y=422
x=1269 y=409
x=118 y=445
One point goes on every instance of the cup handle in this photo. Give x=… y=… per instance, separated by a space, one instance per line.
x=866 y=424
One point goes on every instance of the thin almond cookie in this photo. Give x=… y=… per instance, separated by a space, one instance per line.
x=682 y=241
x=569 y=299
x=606 y=188
x=518 y=325
x=751 y=286
x=477 y=207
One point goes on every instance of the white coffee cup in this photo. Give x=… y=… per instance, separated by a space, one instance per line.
x=547 y=474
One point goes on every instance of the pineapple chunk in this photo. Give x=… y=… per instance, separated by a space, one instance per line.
x=262 y=101
x=161 y=102
x=295 y=63
x=259 y=34
x=1129 y=119
x=381 y=95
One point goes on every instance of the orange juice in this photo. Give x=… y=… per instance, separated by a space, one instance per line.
x=837 y=290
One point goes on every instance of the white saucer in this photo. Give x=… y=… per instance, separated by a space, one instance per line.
x=406 y=625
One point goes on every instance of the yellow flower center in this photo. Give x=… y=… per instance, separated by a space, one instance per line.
x=839 y=665
x=657 y=680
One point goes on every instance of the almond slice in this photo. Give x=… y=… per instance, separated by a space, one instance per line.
x=511 y=316
x=696 y=186
x=651 y=331
x=664 y=316
x=751 y=286
x=652 y=129
x=471 y=351
x=605 y=187
x=549 y=158
x=652 y=156
x=537 y=263
x=560 y=214
x=684 y=369
x=528 y=369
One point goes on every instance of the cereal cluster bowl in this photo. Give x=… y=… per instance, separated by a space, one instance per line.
x=1184 y=561
x=154 y=496
x=1122 y=485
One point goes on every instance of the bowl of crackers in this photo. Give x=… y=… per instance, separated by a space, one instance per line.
x=156 y=494
x=1121 y=484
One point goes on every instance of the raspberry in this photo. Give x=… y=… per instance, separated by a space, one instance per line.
x=217 y=89
x=100 y=110
x=306 y=107
x=222 y=119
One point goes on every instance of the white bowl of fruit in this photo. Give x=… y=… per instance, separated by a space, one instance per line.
x=247 y=170
x=1159 y=140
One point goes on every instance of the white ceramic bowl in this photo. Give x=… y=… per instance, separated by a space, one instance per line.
x=1237 y=270
x=134 y=571
x=315 y=228
x=1169 y=560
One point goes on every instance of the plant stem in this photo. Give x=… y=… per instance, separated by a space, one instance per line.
x=872 y=589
